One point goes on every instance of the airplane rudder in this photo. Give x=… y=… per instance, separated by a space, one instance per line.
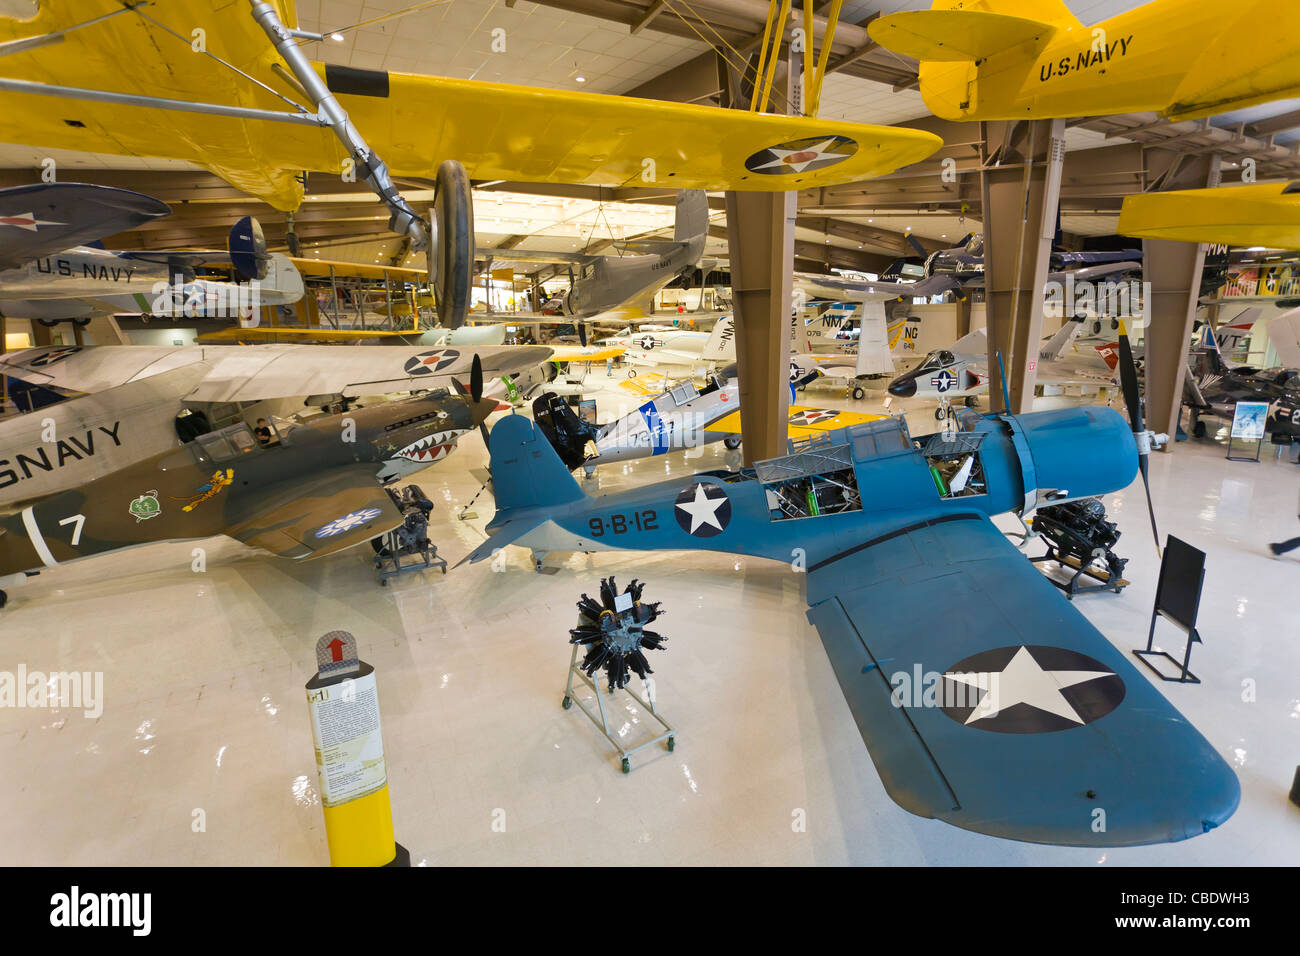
x=526 y=471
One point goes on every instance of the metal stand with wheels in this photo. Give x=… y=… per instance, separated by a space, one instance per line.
x=389 y=563
x=601 y=717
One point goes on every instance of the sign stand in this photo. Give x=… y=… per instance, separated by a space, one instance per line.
x=344 y=704
x=1178 y=599
x=1248 y=420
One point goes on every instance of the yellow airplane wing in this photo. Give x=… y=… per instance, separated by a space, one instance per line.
x=357 y=270
x=413 y=122
x=271 y=333
x=805 y=422
x=585 y=353
x=945 y=35
x=1259 y=214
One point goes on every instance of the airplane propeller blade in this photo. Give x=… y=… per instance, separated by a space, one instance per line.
x=476 y=395
x=1128 y=381
x=476 y=379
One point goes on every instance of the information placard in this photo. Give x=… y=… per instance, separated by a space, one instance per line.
x=349 y=744
x=1248 y=423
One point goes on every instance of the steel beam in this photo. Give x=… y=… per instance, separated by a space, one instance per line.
x=1173 y=270
x=1021 y=187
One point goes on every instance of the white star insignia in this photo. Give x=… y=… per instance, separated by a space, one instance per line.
x=1023 y=681
x=26 y=221
x=798 y=165
x=703 y=510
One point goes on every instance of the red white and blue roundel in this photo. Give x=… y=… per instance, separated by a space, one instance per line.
x=347 y=522
x=429 y=363
x=812 y=416
x=801 y=155
x=703 y=510
x=50 y=356
x=1029 y=689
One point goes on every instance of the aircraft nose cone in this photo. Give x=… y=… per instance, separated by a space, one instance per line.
x=903 y=387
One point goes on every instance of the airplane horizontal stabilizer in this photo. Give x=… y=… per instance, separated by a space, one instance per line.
x=956 y=35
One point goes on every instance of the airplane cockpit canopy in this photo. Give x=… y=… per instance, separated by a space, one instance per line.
x=940 y=358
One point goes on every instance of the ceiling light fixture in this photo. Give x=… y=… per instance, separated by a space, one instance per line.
x=336 y=37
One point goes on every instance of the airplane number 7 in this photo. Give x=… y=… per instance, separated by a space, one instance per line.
x=77 y=521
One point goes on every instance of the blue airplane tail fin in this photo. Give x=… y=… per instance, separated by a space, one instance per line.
x=526 y=471
x=528 y=481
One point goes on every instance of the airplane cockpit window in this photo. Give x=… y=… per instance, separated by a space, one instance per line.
x=227 y=444
x=954 y=462
x=683 y=393
x=937 y=359
x=817 y=479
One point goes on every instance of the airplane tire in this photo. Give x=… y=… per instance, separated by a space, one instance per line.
x=453 y=210
x=631 y=373
x=1198 y=430
x=4 y=599
x=731 y=443
x=938 y=414
x=859 y=393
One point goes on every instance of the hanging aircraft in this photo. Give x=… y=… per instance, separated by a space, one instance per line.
x=238 y=111
x=1014 y=718
x=137 y=401
x=600 y=286
x=1032 y=59
x=684 y=417
x=49 y=273
x=1254 y=214
x=312 y=490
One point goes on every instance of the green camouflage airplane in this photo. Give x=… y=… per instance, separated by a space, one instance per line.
x=313 y=490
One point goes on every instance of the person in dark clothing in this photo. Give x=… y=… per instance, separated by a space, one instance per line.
x=263 y=432
x=1280 y=548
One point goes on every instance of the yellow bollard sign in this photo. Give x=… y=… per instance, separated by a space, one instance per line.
x=343 y=699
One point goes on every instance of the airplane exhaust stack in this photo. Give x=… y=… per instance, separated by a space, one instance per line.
x=247 y=248
x=453 y=213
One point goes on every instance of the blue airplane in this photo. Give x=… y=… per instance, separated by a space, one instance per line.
x=1006 y=713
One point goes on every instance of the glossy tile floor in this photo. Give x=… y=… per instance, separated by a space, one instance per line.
x=204 y=717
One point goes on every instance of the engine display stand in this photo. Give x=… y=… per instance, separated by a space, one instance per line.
x=392 y=564
x=600 y=717
x=1109 y=580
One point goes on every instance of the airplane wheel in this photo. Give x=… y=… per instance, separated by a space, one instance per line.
x=731 y=443
x=859 y=393
x=938 y=414
x=631 y=373
x=566 y=703
x=1198 y=430
x=4 y=599
x=627 y=765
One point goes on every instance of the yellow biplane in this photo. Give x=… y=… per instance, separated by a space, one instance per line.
x=109 y=58
x=1028 y=59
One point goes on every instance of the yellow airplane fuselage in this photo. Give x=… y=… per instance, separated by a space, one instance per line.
x=1179 y=58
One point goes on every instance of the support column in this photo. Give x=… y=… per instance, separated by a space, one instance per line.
x=1173 y=273
x=760 y=228
x=1021 y=186
x=760 y=240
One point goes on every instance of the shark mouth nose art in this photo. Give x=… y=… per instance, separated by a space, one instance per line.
x=431 y=448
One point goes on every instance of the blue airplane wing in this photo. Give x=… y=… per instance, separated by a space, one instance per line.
x=46 y=218
x=1018 y=718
